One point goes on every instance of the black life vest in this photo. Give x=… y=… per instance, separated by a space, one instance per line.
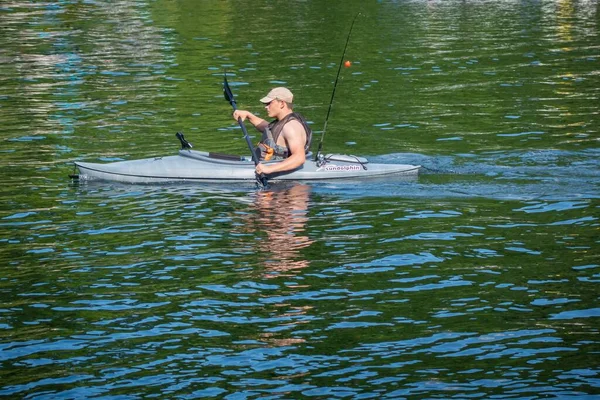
x=268 y=149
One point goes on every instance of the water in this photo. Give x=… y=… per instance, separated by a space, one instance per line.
x=476 y=280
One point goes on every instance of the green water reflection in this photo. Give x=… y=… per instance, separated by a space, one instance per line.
x=479 y=279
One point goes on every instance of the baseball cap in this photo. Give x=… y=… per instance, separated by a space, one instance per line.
x=278 y=93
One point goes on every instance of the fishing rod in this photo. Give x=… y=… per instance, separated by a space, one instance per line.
x=334 y=86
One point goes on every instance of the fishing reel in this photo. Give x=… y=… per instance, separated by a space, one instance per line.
x=321 y=160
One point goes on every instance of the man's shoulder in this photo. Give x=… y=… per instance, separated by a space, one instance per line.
x=293 y=126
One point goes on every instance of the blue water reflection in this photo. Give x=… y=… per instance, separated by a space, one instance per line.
x=478 y=279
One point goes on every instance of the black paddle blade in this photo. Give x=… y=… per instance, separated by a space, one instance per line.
x=227 y=91
x=262 y=181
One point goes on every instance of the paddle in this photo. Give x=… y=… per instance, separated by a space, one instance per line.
x=262 y=179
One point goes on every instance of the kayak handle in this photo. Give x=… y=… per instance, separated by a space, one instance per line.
x=184 y=143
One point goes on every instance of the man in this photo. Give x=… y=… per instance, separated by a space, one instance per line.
x=287 y=138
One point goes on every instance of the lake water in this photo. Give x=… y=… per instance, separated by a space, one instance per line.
x=478 y=279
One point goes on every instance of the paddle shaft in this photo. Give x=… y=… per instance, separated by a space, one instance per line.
x=229 y=97
x=334 y=86
x=248 y=141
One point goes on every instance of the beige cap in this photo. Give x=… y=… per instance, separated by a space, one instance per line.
x=279 y=93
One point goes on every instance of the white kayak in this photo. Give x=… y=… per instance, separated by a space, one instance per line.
x=199 y=166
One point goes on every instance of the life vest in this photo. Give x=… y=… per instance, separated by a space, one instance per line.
x=268 y=149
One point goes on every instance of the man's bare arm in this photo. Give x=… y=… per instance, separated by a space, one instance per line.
x=259 y=123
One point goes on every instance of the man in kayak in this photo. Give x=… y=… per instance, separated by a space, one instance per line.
x=287 y=138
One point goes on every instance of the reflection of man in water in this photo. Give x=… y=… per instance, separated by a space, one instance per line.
x=282 y=214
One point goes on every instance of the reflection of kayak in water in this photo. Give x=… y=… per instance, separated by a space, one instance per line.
x=199 y=166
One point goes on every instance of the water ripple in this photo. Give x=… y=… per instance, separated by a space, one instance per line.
x=477 y=279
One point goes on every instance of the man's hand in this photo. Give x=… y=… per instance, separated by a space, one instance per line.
x=259 y=123
x=263 y=169
x=243 y=114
